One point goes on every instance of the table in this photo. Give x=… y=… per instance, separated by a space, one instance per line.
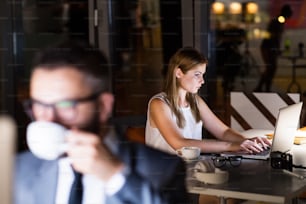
x=252 y=180
x=293 y=82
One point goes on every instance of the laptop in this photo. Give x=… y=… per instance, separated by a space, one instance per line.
x=287 y=123
x=8 y=135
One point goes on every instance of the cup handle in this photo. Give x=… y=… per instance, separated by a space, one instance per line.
x=179 y=152
x=63 y=147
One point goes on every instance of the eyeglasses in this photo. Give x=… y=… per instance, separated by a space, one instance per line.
x=220 y=161
x=64 y=109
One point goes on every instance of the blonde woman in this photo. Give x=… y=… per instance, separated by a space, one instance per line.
x=176 y=116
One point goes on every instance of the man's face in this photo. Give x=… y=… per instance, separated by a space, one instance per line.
x=57 y=95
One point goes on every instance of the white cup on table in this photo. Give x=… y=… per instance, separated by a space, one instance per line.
x=189 y=153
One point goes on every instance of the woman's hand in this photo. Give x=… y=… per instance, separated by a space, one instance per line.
x=255 y=145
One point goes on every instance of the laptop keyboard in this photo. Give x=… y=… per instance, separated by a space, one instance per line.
x=261 y=155
x=264 y=152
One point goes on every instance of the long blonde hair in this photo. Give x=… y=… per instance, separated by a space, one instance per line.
x=186 y=59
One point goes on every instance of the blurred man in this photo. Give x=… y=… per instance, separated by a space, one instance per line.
x=69 y=86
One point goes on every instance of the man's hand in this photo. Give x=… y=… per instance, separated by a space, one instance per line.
x=89 y=155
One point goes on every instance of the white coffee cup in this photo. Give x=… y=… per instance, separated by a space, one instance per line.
x=46 y=140
x=189 y=153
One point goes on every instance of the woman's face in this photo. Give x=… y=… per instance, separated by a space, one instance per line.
x=193 y=79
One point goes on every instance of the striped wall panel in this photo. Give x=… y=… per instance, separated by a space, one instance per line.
x=257 y=110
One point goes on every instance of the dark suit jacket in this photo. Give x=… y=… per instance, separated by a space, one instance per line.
x=155 y=177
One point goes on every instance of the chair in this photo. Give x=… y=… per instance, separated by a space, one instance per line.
x=257 y=110
x=131 y=127
x=136 y=134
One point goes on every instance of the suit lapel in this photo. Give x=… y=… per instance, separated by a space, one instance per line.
x=45 y=185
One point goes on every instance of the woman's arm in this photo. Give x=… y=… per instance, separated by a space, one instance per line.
x=222 y=132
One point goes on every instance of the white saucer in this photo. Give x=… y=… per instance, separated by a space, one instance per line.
x=191 y=160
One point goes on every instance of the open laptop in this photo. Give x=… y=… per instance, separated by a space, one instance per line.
x=286 y=126
x=8 y=133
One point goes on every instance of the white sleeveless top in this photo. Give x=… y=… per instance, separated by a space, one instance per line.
x=192 y=129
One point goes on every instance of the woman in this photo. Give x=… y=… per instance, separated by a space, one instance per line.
x=176 y=116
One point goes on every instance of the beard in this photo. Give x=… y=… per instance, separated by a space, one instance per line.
x=93 y=125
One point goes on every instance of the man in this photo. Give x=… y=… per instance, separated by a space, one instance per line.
x=69 y=86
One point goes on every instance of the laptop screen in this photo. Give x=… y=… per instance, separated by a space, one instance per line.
x=8 y=132
x=285 y=128
x=284 y=132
